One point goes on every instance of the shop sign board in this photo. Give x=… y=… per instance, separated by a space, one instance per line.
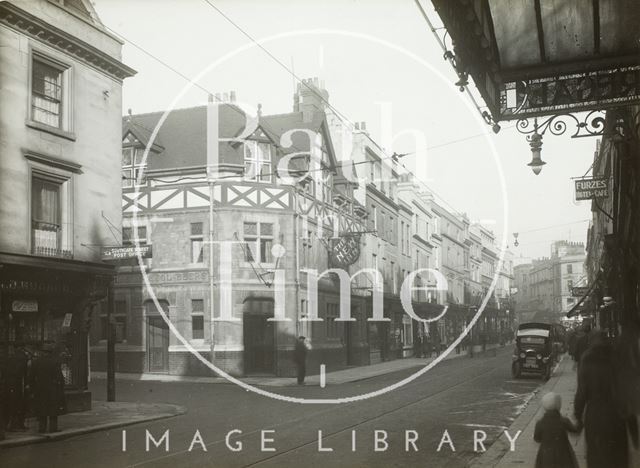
x=29 y=305
x=66 y=323
x=125 y=252
x=595 y=187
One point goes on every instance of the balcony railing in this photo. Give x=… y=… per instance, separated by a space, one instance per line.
x=46 y=240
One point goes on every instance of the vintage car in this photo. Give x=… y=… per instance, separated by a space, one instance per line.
x=533 y=352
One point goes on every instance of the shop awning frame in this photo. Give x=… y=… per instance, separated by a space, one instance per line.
x=531 y=58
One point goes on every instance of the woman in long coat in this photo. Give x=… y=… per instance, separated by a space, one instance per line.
x=596 y=406
x=48 y=389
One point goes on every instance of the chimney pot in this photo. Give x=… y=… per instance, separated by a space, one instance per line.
x=232 y=96
x=363 y=126
x=357 y=125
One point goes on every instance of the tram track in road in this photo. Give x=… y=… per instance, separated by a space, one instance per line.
x=440 y=380
x=386 y=413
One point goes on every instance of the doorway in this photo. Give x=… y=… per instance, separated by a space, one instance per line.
x=259 y=337
x=158 y=345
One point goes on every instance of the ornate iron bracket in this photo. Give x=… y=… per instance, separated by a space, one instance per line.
x=591 y=124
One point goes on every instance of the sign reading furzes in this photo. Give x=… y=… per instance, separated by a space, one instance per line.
x=586 y=189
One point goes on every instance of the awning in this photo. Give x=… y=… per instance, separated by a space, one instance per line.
x=543 y=57
x=60 y=264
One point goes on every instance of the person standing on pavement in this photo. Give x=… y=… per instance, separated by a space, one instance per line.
x=551 y=433
x=300 y=358
x=48 y=389
x=596 y=406
x=16 y=388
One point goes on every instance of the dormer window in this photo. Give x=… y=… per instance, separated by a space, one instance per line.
x=132 y=167
x=257 y=161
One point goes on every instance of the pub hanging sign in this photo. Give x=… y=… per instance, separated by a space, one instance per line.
x=345 y=251
x=587 y=189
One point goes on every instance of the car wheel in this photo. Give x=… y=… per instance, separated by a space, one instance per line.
x=546 y=375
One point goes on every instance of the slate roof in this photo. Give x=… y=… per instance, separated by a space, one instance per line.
x=182 y=139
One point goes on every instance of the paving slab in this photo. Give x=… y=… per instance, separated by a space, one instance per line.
x=102 y=415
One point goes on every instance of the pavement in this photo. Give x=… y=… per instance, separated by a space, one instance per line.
x=564 y=383
x=107 y=415
x=350 y=374
x=102 y=416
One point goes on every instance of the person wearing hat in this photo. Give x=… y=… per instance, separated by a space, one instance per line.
x=48 y=389
x=300 y=358
x=551 y=432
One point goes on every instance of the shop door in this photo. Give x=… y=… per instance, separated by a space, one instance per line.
x=259 y=346
x=158 y=345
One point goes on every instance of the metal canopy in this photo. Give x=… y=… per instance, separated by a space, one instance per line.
x=540 y=57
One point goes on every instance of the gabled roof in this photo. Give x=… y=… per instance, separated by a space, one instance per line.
x=279 y=124
x=181 y=141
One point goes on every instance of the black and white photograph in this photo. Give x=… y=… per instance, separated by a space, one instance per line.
x=349 y=233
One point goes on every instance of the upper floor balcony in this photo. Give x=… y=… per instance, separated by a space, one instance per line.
x=46 y=240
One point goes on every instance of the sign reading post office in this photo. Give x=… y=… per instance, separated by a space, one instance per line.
x=587 y=189
x=121 y=253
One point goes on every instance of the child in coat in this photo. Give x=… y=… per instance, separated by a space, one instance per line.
x=551 y=432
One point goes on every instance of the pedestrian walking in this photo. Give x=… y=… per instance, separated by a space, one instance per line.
x=48 y=389
x=300 y=358
x=16 y=388
x=596 y=406
x=551 y=433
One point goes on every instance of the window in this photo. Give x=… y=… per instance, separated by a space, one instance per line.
x=569 y=268
x=306 y=251
x=374 y=261
x=197 y=243
x=50 y=215
x=569 y=285
x=46 y=93
x=197 y=319
x=50 y=96
x=259 y=240
x=128 y=236
x=394 y=278
x=333 y=327
x=326 y=183
x=374 y=217
x=133 y=167
x=257 y=161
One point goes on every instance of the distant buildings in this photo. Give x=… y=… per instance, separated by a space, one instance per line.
x=544 y=286
x=60 y=124
x=282 y=248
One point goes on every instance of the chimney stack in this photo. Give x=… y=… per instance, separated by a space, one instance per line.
x=310 y=98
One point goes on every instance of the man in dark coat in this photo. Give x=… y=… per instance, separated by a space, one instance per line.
x=48 y=389
x=16 y=387
x=300 y=358
x=596 y=406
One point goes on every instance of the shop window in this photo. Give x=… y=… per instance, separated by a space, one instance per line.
x=197 y=243
x=259 y=240
x=407 y=338
x=197 y=327
x=197 y=319
x=257 y=161
x=50 y=214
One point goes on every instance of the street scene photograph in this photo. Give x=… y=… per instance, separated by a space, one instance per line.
x=355 y=233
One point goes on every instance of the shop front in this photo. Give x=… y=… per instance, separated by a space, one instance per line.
x=50 y=301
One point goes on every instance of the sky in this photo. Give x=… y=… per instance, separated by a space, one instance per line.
x=381 y=64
